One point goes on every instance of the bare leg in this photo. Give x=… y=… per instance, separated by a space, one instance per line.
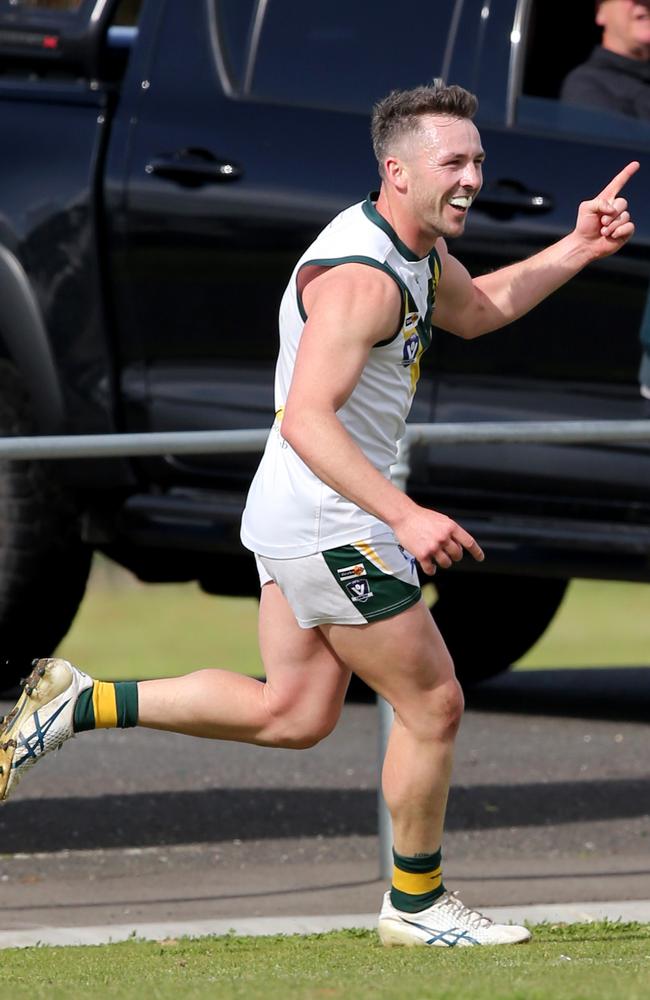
x=299 y=704
x=406 y=661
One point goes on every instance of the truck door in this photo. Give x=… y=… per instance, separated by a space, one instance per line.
x=244 y=131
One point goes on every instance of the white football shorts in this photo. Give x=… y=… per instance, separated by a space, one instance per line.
x=349 y=585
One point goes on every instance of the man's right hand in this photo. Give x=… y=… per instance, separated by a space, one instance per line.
x=435 y=540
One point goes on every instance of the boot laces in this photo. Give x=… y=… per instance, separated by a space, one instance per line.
x=473 y=918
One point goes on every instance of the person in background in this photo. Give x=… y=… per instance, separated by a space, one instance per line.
x=616 y=76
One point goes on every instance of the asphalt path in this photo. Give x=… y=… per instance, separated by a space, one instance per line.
x=550 y=803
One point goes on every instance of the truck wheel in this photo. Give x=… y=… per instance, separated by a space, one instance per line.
x=490 y=620
x=43 y=563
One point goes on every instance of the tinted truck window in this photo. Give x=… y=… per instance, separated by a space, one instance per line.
x=339 y=55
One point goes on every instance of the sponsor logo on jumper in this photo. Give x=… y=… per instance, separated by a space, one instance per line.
x=351 y=572
x=410 y=352
x=410 y=321
x=359 y=590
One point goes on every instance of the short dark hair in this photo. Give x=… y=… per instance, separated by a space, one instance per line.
x=401 y=110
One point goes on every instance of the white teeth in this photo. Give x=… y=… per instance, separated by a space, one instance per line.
x=460 y=202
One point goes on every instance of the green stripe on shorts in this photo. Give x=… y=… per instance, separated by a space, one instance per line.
x=374 y=593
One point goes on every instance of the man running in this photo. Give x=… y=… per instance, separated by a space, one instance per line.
x=335 y=542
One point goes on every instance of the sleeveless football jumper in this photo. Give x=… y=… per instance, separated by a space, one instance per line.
x=290 y=513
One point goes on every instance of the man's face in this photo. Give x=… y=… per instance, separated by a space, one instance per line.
x=626 y=25
x=444 y=167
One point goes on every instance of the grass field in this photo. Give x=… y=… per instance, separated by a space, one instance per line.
x=127 y=629
x=600 y=624
x=574 y=962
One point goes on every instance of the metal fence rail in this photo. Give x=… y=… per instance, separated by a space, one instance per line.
x=531 y=432
x=125 y=445
x=230 y=442
x=242 y=441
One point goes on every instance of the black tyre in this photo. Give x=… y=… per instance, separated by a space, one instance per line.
x=43 y=563
x=489 y=620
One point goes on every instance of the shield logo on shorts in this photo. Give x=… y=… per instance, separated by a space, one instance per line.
x=359 y=590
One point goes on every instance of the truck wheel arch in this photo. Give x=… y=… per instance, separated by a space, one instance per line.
x=44 y=563
x=24 y=338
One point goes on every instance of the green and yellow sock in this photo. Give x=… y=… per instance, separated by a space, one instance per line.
x=417 y=882
x=107 y=705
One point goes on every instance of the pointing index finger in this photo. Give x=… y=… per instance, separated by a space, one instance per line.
x=617 y=183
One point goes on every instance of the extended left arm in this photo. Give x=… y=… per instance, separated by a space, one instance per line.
x=470 y=307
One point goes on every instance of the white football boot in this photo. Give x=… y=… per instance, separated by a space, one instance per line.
x=41 y=720
x=447 y=923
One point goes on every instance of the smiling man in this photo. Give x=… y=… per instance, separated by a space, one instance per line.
x=616 y=77
x=336 y=542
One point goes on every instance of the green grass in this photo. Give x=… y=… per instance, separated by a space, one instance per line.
x=593 y=961
x=128 y=629
x=599 y=624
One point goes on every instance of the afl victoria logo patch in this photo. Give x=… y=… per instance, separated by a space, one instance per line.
x=359 y=590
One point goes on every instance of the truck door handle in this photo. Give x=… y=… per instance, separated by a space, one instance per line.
x=193 y=167
x=505 y=198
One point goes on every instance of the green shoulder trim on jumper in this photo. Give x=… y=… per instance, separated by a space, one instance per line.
x=353 y=259
x=408 y=306
x=371 y=213
x=424 y=327
x=435 y=264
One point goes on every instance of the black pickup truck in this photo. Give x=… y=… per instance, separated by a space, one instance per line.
x=164 y=164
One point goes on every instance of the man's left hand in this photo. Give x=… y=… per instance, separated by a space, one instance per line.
x=604 y=223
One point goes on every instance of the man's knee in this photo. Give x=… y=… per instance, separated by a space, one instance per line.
x=453 y=704
x=299 y=727
x=303 y=733
x=436 y=712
